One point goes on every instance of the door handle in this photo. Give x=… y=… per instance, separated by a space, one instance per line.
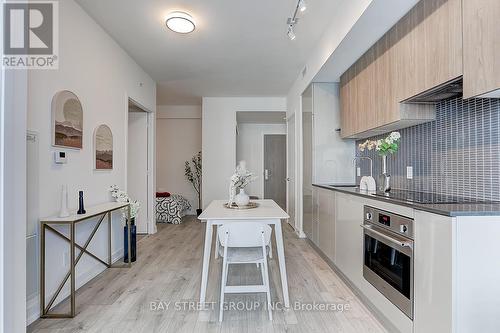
x=388 y=238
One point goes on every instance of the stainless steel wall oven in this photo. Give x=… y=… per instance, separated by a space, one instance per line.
x=388 y=256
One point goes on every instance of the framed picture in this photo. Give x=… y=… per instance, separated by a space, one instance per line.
x=67 y=120
x=103 y=148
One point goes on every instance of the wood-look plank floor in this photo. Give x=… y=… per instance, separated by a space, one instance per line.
x=169 y=270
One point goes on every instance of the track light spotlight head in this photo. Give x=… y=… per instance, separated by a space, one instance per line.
x=290 y=32
x=302 y=5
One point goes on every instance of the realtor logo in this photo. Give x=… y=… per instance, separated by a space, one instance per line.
x=30 y=34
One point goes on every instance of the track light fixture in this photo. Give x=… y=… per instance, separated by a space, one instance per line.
x=292 y=21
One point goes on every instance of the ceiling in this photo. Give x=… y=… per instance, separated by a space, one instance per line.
x=239 y=47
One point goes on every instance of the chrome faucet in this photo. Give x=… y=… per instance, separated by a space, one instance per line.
x=363 y=158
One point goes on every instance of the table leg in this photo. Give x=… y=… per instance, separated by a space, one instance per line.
x=281 y=257
x=109 y=240
x=72 y=259
x=42 y=269
x=206 y=261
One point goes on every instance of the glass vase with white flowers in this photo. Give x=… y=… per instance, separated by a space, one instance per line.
x=239 y=180
x=384 y=147
x=122 y=196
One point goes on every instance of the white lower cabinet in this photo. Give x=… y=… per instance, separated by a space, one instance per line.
x=433 y=273
x=349 y=236
x=315 y=217
x=326 y=222
x=323 y=221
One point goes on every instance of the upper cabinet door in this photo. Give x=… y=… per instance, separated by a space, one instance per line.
x=429 y=46
x=481 y=33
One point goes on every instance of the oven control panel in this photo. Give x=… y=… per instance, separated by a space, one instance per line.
x=396 y=223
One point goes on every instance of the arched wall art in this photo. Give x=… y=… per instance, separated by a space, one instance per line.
x=103 y=148
x=67 y=120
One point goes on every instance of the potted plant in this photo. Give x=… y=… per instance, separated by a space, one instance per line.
x=122 y=196
x=192 y=171
x=384 y=147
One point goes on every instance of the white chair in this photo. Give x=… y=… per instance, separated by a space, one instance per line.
x=217 y=244
x=244 y=243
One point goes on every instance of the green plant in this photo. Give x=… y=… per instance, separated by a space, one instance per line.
x=192 y=171
x=385 y=146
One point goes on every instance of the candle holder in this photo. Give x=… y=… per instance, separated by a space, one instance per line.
x=81 y=209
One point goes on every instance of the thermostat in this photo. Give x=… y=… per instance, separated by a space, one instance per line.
x=60 y=157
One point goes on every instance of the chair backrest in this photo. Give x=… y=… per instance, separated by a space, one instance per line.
x=244 y=234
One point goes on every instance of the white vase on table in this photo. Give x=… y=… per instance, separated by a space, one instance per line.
x=64 y=202
x=242 y=199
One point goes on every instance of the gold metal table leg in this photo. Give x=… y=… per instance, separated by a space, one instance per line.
x=72 y=256
x=109 y=240
x=42 y=269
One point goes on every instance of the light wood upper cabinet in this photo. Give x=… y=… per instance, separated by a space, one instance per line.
x=423 y=50
x=481 y=33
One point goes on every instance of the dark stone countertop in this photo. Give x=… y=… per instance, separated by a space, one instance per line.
x=452 y=210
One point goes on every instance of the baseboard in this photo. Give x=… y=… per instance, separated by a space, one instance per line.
x=33 y=302
x=376 y=312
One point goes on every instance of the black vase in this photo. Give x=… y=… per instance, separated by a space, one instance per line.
x=133 y=242
x=81 y=208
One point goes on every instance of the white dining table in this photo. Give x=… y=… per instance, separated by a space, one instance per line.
x=268 y=212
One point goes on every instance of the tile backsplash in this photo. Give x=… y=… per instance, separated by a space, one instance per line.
x=457 y=154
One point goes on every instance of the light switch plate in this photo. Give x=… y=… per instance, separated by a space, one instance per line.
x=358 y=171
x=409 y=172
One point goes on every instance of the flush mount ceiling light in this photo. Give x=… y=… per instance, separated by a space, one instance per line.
x=180 y=22
x=292 y=21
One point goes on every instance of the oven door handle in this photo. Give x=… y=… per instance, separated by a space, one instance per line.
x=388 y=238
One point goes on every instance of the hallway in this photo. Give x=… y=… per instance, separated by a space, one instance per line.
x=156 y=294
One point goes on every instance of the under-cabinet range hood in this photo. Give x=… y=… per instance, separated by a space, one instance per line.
x=450 y=89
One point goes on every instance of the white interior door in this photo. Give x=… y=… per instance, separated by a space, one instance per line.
x=137 y=165
x=291 y=170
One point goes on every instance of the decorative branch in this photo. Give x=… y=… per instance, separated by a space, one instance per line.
x=193 y=174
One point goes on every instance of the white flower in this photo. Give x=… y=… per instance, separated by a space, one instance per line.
x=395 y=136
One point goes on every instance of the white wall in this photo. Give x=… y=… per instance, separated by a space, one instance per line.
x=13 y=200
x=13 y=110
x=103 y=76
x=178 y=138
x=219 y=138
x=250 y=147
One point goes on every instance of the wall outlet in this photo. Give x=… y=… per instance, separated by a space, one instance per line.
x=358 y=171
x=409 y=172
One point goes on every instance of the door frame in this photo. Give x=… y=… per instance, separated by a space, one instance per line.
x=151 y=160
x=264 y=163
x=288 y=175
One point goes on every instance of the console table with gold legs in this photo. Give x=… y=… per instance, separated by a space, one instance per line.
x=47 y=224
